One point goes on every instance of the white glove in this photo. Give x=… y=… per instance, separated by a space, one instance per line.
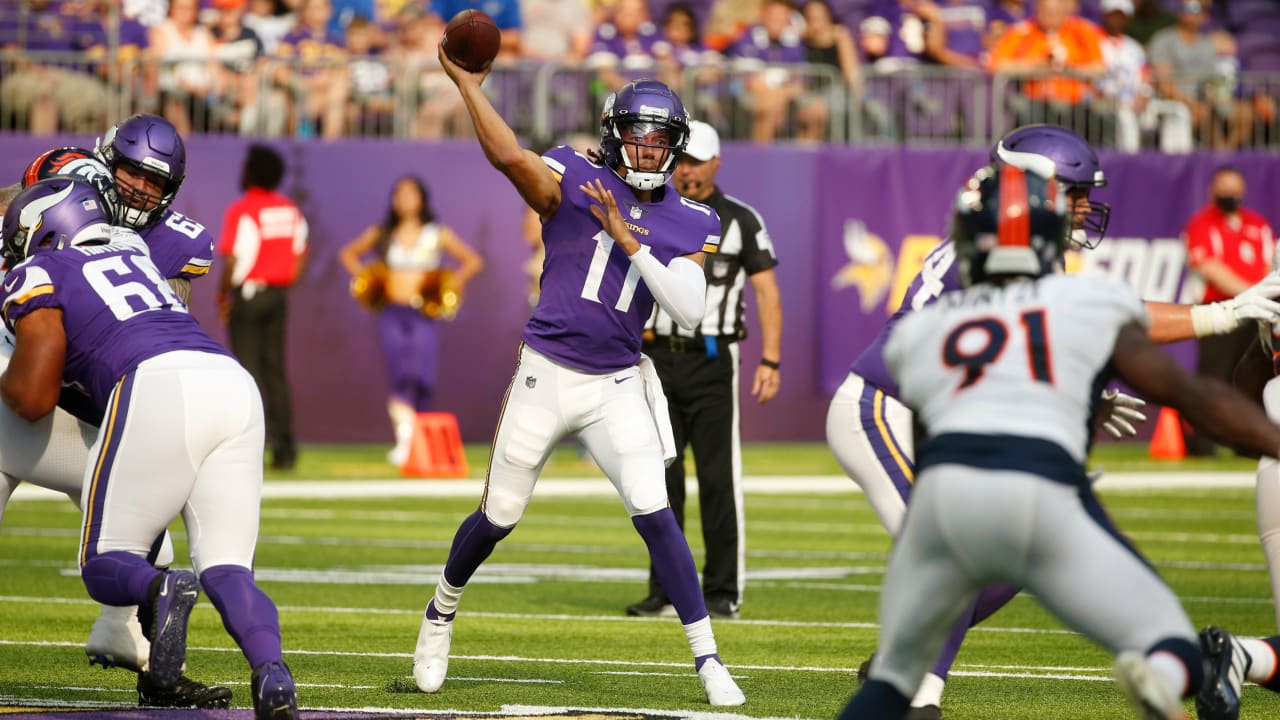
x=1122 y=412
x=1258 y=302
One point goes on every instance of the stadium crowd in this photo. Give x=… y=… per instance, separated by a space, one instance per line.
x=1129 y=74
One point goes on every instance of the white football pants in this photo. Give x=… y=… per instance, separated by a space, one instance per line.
x=870 y=434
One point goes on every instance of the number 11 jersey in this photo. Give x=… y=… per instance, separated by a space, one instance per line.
x=593 y=306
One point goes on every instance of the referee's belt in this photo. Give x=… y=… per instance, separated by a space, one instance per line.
x=701 y=345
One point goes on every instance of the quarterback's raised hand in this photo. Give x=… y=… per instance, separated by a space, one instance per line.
x=1120 y=412
x=1259 y=301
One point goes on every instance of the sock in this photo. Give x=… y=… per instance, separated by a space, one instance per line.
x=702 y=641
x=472 y=544
x=1268 y=511
x=444 y=605
x=247 y=613
x=1262 y=660
x=673 y=563
x=1180 y=663
x=929 y=692
x=877 y=700
x=118 y=578
x=1170 y=668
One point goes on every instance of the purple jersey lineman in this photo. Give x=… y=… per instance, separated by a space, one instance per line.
x=180 y=247
x=594 y=305
x=116 y=308
x=938 y=275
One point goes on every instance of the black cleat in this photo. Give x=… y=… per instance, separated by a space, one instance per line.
x=652 y=606
x=1219 y=696
x=721 y=608
x=928 y=712
x=187 y=693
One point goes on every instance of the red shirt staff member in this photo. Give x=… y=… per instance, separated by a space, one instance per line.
x=1231 y=248
x=264 y=246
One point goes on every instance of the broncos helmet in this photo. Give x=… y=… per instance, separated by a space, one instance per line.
x=1074 y=164
x=146 y=143
x=75 y=162
x=640 y=108
x=51 y=215
x=1009 y=222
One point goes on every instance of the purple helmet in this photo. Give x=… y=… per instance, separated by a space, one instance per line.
x=1074 y=164
x=1009 y=222
x=51 y=215
x=643 y=106
x=146 y=143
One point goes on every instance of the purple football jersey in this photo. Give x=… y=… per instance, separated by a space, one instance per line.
x=593 y=305
x=180 y=247
x=117 y=311
x=939 y=274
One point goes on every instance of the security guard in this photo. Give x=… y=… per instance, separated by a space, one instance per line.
x=699 y=373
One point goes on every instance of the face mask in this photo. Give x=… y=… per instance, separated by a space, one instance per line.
x=1227 y=203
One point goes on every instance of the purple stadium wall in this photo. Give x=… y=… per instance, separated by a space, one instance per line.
x=850 y=226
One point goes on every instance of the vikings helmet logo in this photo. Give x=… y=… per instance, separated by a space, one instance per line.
x=870 y=267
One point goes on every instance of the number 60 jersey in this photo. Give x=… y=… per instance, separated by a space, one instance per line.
x=1027 y=359
x=593 y=306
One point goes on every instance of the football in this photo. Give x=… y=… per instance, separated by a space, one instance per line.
x=471 y=39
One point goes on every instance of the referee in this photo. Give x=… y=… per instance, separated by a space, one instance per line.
x=699 y=373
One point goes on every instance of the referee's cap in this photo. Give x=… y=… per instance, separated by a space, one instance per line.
x=704 y=141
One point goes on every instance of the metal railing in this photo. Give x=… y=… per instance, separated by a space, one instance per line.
x=44 y=93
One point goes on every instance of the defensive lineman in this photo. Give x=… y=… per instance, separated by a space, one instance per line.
x=618 y=238
x=1004 y=376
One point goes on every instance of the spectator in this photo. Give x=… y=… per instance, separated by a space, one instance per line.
x=1230 y=247
x=124 y=70
x=505 y=14
x=1186 y=67
x=624 y=46
x=679 y=48
x=318 y=76
x=893 y=33
x=1125 y=84
x=42 y=97
x=555 y=30
x=699 y=373
x=410 y=247
x=1149 y=17
x=956 y=39
x=829 y=44
x=771 y=54
x=264 y=246
x=729 y=20
x=440 y=111
x=188 y=72
x=371 y=108
x=271 y=20
x=1058 y=52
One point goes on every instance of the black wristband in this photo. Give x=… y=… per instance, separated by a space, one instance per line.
x=771 y=364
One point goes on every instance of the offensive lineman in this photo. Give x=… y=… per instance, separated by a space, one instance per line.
x=1004 y=376
x=182 y=434
x=870 y=431
x=618 y=238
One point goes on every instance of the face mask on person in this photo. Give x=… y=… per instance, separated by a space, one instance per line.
x=1227 y=203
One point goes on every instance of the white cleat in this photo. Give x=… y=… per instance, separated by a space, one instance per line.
x=116 y=640
x=1147 y=695
x=719 y=685
x=431 y=658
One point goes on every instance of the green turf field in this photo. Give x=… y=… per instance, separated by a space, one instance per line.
x=542 y=623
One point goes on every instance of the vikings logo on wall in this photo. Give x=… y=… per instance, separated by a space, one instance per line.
x=870 y=266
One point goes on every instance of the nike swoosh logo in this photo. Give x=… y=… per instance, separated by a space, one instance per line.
x=10 y=284
x=619 y=381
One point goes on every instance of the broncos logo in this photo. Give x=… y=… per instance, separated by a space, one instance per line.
x=870 y=267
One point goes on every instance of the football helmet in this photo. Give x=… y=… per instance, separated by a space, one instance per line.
x=629 y=117
x=1009 y=222
x=75 y=162
x=1074 y=164
x=151 y=144
x=51 y=215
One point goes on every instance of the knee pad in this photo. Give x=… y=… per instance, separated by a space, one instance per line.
x=529 y=432
x=643 y=484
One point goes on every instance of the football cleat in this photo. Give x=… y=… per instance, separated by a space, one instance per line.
x=116 y=640
x=719 y=685
x=926 y=712
x=431 y=657
x=172 y=602
x=722 y=608
x=1147 y=695
x=187 y=693
x=275 y=696
x=653 y=606
x=1219 y=696
x=864 y=670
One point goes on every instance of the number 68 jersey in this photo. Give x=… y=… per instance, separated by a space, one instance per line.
x=117 y=310
x=1027 y=359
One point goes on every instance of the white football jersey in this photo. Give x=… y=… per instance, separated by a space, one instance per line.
x=1025 y=359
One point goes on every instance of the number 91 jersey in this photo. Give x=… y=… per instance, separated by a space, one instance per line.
x=593 y=304
x=117 y=310
x=1027 y=359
